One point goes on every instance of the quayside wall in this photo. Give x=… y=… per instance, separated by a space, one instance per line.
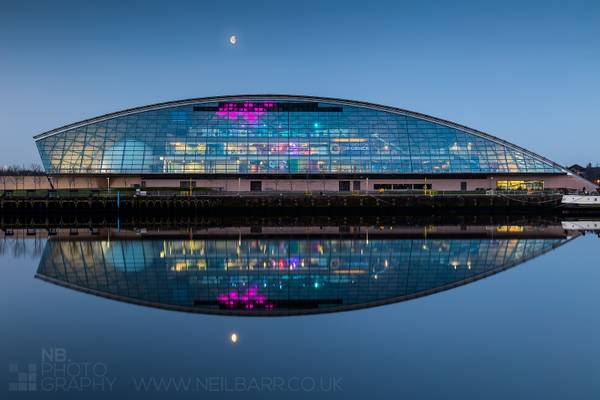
x=280 y=203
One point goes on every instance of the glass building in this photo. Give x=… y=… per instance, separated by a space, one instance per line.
x=279 y=276
x=274 y=136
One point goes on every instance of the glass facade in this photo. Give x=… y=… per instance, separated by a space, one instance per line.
x=250 y=136
x=278 y=275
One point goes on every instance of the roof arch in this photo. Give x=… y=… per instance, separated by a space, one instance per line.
x=283 y=97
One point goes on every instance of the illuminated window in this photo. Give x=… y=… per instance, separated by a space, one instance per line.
x=520 y=185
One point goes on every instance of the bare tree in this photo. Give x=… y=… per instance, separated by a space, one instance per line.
x=16 y=170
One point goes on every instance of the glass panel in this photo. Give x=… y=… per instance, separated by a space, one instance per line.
x=276 y=137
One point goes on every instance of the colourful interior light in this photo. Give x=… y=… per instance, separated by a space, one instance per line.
x=247 y=110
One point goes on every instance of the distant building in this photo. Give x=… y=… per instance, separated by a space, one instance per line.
x=589 y=172
x=577 y=169
x=289 y=143
x=592 y=174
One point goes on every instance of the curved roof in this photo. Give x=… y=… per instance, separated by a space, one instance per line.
x=352 y=103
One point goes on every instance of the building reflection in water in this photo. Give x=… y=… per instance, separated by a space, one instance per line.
x=286 y=274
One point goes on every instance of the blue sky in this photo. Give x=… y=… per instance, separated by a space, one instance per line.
x=526 y=71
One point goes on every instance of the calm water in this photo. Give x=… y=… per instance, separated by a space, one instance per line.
x=271 y=311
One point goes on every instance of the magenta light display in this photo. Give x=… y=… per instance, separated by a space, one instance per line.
x=247 y=110
x=248 y=299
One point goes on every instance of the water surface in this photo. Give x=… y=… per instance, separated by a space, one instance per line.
x=496 y=311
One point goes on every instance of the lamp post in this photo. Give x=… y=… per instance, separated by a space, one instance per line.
x=108 y=185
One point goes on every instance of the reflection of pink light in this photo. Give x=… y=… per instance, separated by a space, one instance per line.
x=247 y=299
x=247 y=110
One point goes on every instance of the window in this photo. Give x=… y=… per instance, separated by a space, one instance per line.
x=520 y=185
x=255 y=186
x=344 y=186
x=422 y=186
x=382 y=186
x=187 y=184
x=402 y=186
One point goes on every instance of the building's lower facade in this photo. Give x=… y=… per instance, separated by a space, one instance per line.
x=288 y=143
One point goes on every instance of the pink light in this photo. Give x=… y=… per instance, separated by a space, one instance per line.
x=222 y=298
x=248 y=299
x=247 y=110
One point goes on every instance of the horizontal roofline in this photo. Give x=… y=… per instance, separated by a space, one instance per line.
x=309 y=175
x=354 y=103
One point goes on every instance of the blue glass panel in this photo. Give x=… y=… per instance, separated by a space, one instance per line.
x=277 y=137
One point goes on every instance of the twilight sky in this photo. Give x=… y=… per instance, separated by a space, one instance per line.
x=526 y=71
